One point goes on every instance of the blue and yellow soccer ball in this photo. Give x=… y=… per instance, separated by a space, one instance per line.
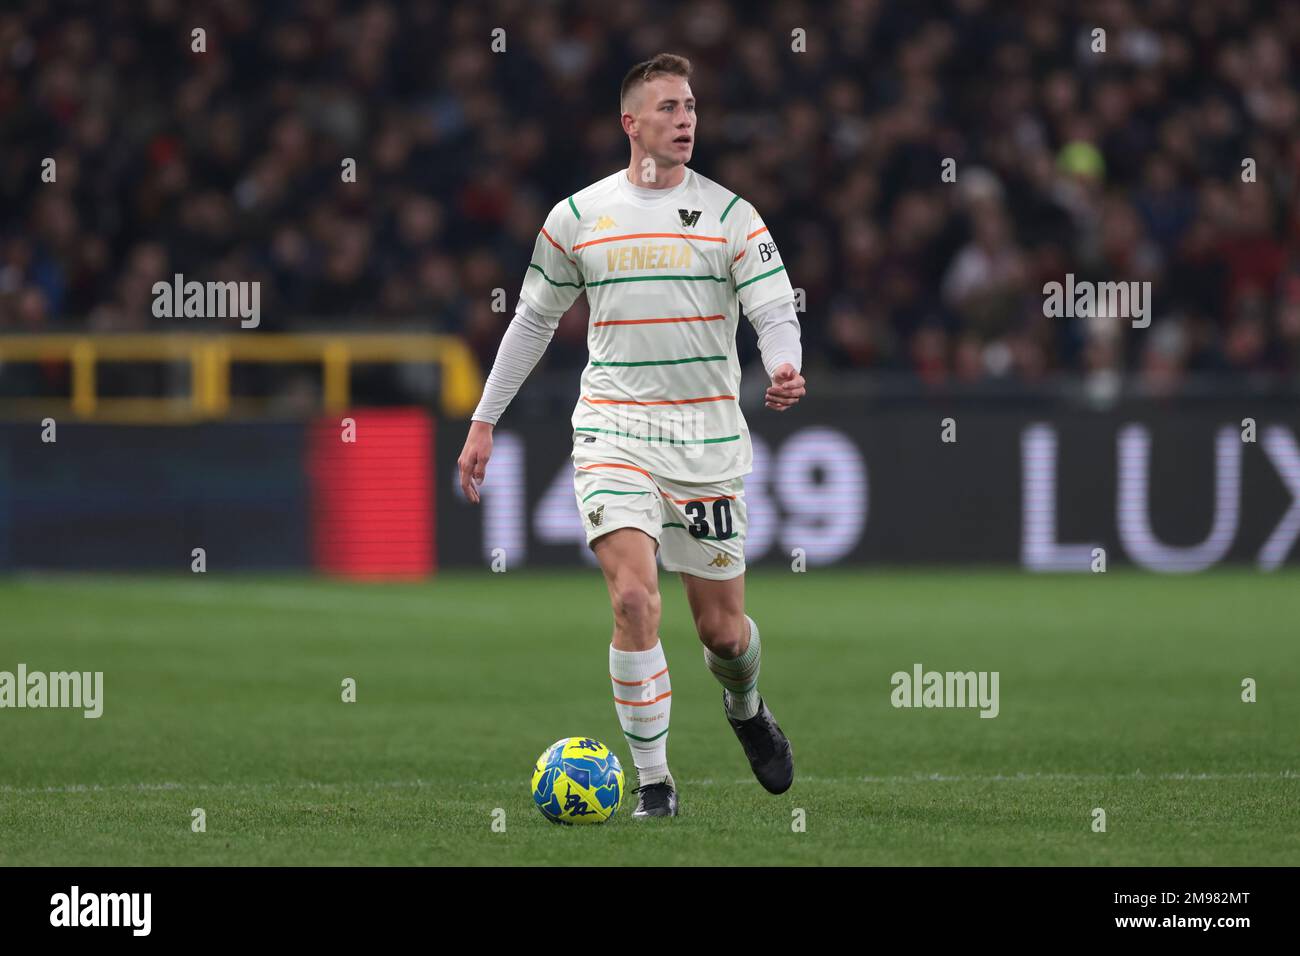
x=577 y=780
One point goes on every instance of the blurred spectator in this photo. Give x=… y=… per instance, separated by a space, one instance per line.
x=1116 y=166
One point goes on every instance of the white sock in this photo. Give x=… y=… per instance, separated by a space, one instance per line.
x=739 y=676
x=643 y=699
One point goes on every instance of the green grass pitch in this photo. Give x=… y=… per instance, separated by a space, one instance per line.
x=1120 y=691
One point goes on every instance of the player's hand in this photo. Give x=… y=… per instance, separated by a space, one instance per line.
x=474 y=458
x=786 y=389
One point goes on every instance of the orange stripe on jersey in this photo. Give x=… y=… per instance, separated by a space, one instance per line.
x=638 y=683
x=648 y=235
x=604 y=464
x=556 y=244
x=685 y=318
x=643 y=703
x=679 y=501
x=738 y=255
x=755 y=233
x=665 y=401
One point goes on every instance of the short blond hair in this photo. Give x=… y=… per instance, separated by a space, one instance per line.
x=661 y=64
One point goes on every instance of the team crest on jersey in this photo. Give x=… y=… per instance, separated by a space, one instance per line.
x=689 y=218
x=721 y=561
x=604 y=222
x=596 y=517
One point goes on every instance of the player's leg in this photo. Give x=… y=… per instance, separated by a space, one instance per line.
x=731 y=642
x=627 y=558
x=704 y=538
x=732 y=649
x=638 y=669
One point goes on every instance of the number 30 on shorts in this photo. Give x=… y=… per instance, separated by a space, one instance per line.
x=699 y=527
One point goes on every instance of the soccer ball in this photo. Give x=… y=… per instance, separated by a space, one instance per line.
x=577 y=780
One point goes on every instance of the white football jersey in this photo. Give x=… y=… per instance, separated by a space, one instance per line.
x=665 y=277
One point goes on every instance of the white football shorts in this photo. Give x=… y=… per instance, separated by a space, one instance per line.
x=698 y=528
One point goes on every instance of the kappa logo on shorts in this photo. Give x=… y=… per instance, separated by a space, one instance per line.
x=596 y=517
x=589 y=439
x=721 y=561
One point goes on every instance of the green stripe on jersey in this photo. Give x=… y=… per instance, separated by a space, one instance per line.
x=734 y=200
x=611 y=491
x=656 y=279
x=534 y=265
x=671 y=441
x=756 y=278
x=693 y=358
x=574 y=208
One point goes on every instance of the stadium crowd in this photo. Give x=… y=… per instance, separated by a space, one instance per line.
x=1118 y=165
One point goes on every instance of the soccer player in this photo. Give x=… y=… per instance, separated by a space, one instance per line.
x=660 y=447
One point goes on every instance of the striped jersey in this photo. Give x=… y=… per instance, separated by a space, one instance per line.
x=665 y=277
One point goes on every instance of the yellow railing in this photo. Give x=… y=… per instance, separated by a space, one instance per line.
x=210 y=358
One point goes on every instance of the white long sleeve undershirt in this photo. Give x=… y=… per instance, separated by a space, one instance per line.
x=521 y=348
x=530 y=332
x=778 y=335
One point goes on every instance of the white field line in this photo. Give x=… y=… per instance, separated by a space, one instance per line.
x=1137 y=777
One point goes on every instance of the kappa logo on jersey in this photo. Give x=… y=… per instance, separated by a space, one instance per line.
x=721 y=561
x=766 y=250
x=689 y=218
x=596 y=517
x=604 y=222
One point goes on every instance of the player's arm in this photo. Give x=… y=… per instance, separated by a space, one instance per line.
x=522 y=346
x=550 y=287
x=777 y=326
x=763 y=288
